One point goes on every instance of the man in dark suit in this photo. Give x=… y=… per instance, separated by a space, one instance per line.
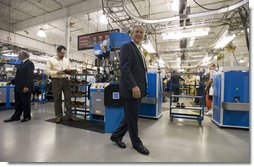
x=133 y=85
x=175 y=79
x=23 y=82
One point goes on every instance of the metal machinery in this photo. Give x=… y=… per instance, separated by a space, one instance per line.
x=6 y=97
x=7 y=73
x=151 y=105
x=105 y=105
x=39 y=86
x=231 y=106
x=104 y=95
x=107 y=53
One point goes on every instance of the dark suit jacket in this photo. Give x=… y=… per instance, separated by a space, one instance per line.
x=24 y=76
x=176 y=80
x=133 y=70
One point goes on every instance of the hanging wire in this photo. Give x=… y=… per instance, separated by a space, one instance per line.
x=235 y=58
x=9 y=38
x=209 y=8
x=244 y=22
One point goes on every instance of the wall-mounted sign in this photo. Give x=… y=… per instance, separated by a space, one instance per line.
x=88 y=40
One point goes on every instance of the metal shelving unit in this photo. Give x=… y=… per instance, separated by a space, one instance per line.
x=80 y=92
x=200 y=116
x=40 y=85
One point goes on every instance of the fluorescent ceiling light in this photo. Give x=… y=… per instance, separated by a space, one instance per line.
x=241 y=61
x=148 y=47
x=206 y=59
x=186 y=33
x=41 y=33
x=10 y=55
x=192 y=41
x=103 y=19
x=173 y=5
x=161 y=62
x=224 y=40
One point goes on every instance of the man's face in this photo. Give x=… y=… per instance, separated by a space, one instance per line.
x=138 y=35
x=211 y=68
x=61 y=54
x=21 y=56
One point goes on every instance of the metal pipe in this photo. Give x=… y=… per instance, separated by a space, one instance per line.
x=68 y=36
x=187 y=49
x=193 y=15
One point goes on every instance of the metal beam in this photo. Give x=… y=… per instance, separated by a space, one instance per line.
x=83 y=7
x=181 y=17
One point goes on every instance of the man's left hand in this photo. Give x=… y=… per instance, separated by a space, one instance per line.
x=25 y=90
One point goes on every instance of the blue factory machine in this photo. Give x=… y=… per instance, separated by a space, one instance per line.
x=231 y=106
x=151 y=105
x=7 y=97
x=105 y=105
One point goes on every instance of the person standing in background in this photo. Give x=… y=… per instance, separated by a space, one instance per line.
x=23 y=82
x=175 y=80
x=133 y=85
x=57 y=67
x=209 y=86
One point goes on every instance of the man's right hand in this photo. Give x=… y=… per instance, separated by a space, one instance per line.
x=60 y=72
x=136 y=93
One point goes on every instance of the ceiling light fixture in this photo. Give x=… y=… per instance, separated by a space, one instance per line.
x=173 y=5
x=103 y=19
x=192 y=41
x=224 y=40
x=41 y=33
x=148 y=46
x=186 y=33
x=241 y=61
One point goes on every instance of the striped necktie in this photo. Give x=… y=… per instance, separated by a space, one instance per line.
x=144 y=62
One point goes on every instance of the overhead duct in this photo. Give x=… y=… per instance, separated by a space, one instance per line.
x=186 y=16
x=199 y=49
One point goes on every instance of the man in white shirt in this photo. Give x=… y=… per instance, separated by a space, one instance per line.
x=57 y=67
x=209 y=85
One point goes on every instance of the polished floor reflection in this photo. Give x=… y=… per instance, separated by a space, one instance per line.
x=179 y=141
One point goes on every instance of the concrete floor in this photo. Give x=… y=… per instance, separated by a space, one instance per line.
x=177 y=141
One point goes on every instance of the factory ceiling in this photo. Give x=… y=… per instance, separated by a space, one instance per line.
x=26 y=17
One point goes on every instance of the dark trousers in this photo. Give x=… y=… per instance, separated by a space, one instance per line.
x=198 y=93
x=176 y=91
x=22 y=104
x=129 y=122
x=59 y=86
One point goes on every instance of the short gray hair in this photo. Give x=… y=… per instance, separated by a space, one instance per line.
x=136 y=26
x=25 y=53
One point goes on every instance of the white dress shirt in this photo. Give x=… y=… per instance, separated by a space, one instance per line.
x=55 y=64
x=25 y=60
x=141 y=52
x=143 y=58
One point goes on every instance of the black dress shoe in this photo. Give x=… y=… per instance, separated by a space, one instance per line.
x=182 y=105
x=142 y=149
x=58 y=120
x=178 y=105
x=72 y=118
x=11 y=120
x=25 y=119
x=119 y=143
